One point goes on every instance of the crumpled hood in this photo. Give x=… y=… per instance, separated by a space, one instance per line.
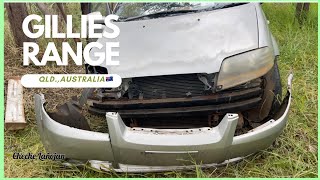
x=189 y=43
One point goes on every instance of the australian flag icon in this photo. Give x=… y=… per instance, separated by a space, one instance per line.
x=109 y=78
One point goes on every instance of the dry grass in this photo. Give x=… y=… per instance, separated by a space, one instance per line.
x=294 y=154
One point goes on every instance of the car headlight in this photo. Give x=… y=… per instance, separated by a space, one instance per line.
x=244 y=67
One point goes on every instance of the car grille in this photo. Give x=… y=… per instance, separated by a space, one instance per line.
x=170 y=86
x=178 y=101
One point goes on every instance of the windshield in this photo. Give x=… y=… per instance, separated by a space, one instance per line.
x=128 y=10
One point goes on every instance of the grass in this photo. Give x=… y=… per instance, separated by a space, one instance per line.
x=294 y=154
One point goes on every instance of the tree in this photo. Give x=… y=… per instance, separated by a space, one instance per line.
x=60 y=9
x=302 y=10
x=85 y=8
x=16 y=13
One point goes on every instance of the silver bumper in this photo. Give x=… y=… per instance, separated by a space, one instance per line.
x=144 y=149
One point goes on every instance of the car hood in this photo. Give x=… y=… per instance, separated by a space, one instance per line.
x=183 y=44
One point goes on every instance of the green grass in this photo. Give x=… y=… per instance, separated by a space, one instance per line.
x=294 y=154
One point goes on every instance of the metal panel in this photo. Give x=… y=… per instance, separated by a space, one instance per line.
x=189 y=43
x=193 y=110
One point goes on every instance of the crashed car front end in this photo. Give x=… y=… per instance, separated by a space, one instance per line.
x=172 y=112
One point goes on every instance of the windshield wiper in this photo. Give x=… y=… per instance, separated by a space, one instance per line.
x=158 y=14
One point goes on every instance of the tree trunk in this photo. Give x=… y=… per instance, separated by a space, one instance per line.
x=16 y=13
x=43 y=8
x=62 y=12
x=61 y=9
x=85 y=8
x=112 y=6
x=302 y=10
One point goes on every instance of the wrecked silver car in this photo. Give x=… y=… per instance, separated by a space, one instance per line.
x=200 y=85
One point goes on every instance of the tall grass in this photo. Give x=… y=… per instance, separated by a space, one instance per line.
x=294 y=154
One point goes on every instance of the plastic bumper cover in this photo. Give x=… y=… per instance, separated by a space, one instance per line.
x=145 y=149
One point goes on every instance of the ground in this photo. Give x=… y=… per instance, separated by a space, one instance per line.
x=294 y=154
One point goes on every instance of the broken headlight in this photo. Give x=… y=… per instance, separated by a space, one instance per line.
x=244 y=67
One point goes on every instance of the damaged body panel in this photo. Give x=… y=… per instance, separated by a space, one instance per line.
x=74 y=143
x=158 y=149
x=219 y=34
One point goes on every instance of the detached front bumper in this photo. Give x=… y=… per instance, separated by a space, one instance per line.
x=145 y=149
